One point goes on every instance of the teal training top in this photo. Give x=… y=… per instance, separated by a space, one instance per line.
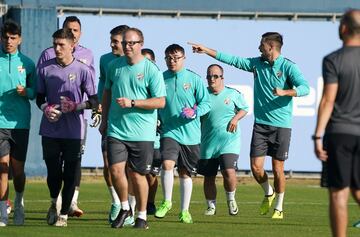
x=104 y=65
x=284 y=74
x=215 y=139
x=138 y=82
x=184 y=89
x=16 y=69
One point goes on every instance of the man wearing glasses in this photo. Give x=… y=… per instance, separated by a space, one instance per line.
x=276 y=81
x=134 y=89
x=187 y=99
x=221 y=139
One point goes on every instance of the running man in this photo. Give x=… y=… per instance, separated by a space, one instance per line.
x=187 y=100
x=134 y=90
x=17 y=87
x=85 y=56
x=276 y=81
x=62 y=83
x=221 y=139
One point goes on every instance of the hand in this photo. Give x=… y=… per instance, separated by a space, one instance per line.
x=52 y=113
x=278 y=92
x=320 y=153
x=197 y=48
x=232 y=126
x=124 y=102
x=96 y=117
x=21 y=90
x=67 y=105
x=189 y=113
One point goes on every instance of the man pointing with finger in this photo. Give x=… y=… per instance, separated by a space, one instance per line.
x=276 y=81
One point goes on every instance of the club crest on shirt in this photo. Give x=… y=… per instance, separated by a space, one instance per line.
x=187 y=86
x=279 y=74
x=72 y=77
x=227 y=101
x=83 y=60
x=140 y=76
x=21 y=69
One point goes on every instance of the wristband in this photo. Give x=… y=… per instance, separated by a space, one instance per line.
x=314 y=137
x=132 y=103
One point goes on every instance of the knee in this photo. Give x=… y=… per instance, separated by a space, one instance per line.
x=256 y=169
x=4 y=168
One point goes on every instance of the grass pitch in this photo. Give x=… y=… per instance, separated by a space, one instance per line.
x=305 y=213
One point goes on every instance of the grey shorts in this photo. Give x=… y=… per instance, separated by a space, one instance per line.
x=156 y=164
x=186 y=156
x=139 y=155
x=14 y=142
x=209 y=167
x=271 y=141
x=68 y=149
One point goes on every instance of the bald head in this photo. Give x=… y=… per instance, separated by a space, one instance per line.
x=350 y=25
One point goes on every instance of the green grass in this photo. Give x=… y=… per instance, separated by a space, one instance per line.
x=305 y=214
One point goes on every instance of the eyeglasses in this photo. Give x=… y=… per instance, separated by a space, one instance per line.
x=175 y=59
x=213 y=76
x=130 y=43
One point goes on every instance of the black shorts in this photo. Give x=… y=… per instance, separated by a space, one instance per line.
x=103 y=143
x=209 y=167
x=68 y=149
x=139 y=155
x=156 y=164
x=14 y=142
x=186 y=156
x=343 y=162
x=271 y=141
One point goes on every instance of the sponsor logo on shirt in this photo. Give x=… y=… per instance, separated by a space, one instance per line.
x=227 y=101
x=140 y=76
x=83 y=60
x=72 y=77
x=21 y=69
x=187 y=86
x=279 y=74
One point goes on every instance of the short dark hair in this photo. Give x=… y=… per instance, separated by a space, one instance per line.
x=148 y=51
x=352 y=22
x=274 y=37
x=63 y=34
x=71 y=19
x=10 y=27
x=173 y=48
x=118 y=30
x=137 y=31
x=215 y=65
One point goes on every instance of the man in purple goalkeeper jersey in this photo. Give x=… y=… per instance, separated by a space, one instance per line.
x=85 y=56
x=63 y=82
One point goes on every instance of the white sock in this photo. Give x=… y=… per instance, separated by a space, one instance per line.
x=142 y=215
x=3 y=212
x=167 y=182
x=114 y=197
x=64 y=216
x=19 y=198
x=125 y=206
x=230 y=196
x=279 y=201
x=211 y=203
x=185 y=193
x=267 y=188
x=132 y=202
x=75 y=196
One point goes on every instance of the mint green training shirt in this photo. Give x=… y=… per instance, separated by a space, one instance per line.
x=16 y=69
x=140 y=81
x=215 y=139
x=284 y=74
x=104 y=64
x=184 y=89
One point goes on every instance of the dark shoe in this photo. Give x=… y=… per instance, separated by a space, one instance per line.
x=141 y=224
x=150 y=208
x=120 y=219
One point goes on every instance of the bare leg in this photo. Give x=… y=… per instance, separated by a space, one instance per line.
x=338 y=211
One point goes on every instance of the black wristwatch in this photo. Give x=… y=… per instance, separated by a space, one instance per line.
x=132 y=103
x=313 y=137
